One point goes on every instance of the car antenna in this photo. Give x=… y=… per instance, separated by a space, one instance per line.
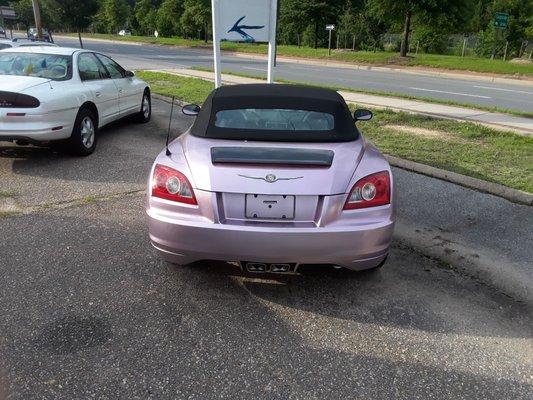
x=168 y=153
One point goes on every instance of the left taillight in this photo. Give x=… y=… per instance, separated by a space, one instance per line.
x=371 y=191
x=169 y=184
x=17 y=100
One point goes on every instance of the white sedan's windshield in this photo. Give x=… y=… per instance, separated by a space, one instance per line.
x=49 y=66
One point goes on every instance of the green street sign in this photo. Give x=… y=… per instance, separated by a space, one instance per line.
x=501 y=20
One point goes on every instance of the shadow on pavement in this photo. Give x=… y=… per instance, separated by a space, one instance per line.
x=91 y=305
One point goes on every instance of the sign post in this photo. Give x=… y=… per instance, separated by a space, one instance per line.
x=501 y=20
x=330 y=28
x=244 y=21
x=216 y=43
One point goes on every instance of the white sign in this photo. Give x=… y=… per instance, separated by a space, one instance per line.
x=244 y=20
x=248 y=21
x=330 y=27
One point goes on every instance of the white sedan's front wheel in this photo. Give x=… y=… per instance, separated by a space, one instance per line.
x=146 y=108
x=82 y=142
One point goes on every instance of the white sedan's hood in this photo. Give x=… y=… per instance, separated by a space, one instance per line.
x=17 y=84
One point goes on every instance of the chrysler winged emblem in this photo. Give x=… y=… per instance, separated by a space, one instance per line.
x=271 y=178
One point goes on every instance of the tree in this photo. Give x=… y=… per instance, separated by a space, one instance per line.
x=311 y=14
x=145 y=13
x=50 y=15
x=429 y=11
x=168 y=17
x=114 y=14
x=78 y=14
x=196 y=16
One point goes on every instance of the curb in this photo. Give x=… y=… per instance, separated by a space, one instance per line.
x=513 y=195
x=496 y=78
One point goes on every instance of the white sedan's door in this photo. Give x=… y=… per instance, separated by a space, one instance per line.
x=130 y=92
x=105 y=93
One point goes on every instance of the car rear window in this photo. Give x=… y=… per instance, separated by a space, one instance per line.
x=49 y=66
x=275 y=120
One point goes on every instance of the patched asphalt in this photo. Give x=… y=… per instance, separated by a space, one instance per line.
x=89 y=311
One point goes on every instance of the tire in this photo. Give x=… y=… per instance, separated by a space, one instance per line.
x=82 y=141
x=145 y=114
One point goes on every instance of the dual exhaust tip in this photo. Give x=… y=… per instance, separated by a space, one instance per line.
x=258 y=268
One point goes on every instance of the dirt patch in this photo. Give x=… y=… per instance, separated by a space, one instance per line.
x=426 y=133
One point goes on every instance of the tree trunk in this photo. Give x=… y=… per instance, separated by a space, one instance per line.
x=316 y=34
x=79 y=37
x=406 y=31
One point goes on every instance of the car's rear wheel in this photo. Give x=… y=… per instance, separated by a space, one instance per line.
x=146 y=108
x=82 y=142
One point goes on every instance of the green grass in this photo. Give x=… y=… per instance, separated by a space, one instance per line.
x=469 y=149
x=466 y=148
x=190 y=90
x=382 y=93
x=5 y=194
x=473 y=64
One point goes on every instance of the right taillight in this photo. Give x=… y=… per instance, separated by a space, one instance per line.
x=169 y=184
x=370 y=191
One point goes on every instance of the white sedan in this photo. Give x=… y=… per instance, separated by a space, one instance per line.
x=55 y=94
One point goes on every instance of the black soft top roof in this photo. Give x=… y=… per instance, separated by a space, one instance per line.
x=268 y=96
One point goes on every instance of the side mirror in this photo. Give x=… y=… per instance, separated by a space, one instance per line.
x=362 y=115
x=191 y=110
x=130 y=74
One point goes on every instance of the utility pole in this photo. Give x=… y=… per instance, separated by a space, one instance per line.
x=37 y=15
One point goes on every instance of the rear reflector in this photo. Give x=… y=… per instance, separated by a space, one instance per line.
x=16 y=114
x=57 y=128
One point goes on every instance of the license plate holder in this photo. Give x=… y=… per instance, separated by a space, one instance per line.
x=263 y=206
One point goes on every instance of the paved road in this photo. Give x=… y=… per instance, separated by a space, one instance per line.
x=474 y=91
x=90 y=312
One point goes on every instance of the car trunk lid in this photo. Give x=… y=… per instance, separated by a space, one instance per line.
x=305 y=169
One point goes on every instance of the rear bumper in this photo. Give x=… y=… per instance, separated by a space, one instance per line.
x=35 y=127
x=353 y=247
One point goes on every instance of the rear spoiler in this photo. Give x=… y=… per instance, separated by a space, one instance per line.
x=271 y=155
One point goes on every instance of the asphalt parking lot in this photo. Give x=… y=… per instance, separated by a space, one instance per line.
x=90 y=312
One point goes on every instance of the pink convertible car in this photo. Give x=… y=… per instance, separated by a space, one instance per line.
x=272 y=177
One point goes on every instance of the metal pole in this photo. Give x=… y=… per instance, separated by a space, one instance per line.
x=353 y=43
x=37 y=16
x=337 y=42
x=2 y=22
x=505 y=51
x=272 y=40
x=464 y=47
x=417 y=45
x=216 y=44
x=329 y=43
